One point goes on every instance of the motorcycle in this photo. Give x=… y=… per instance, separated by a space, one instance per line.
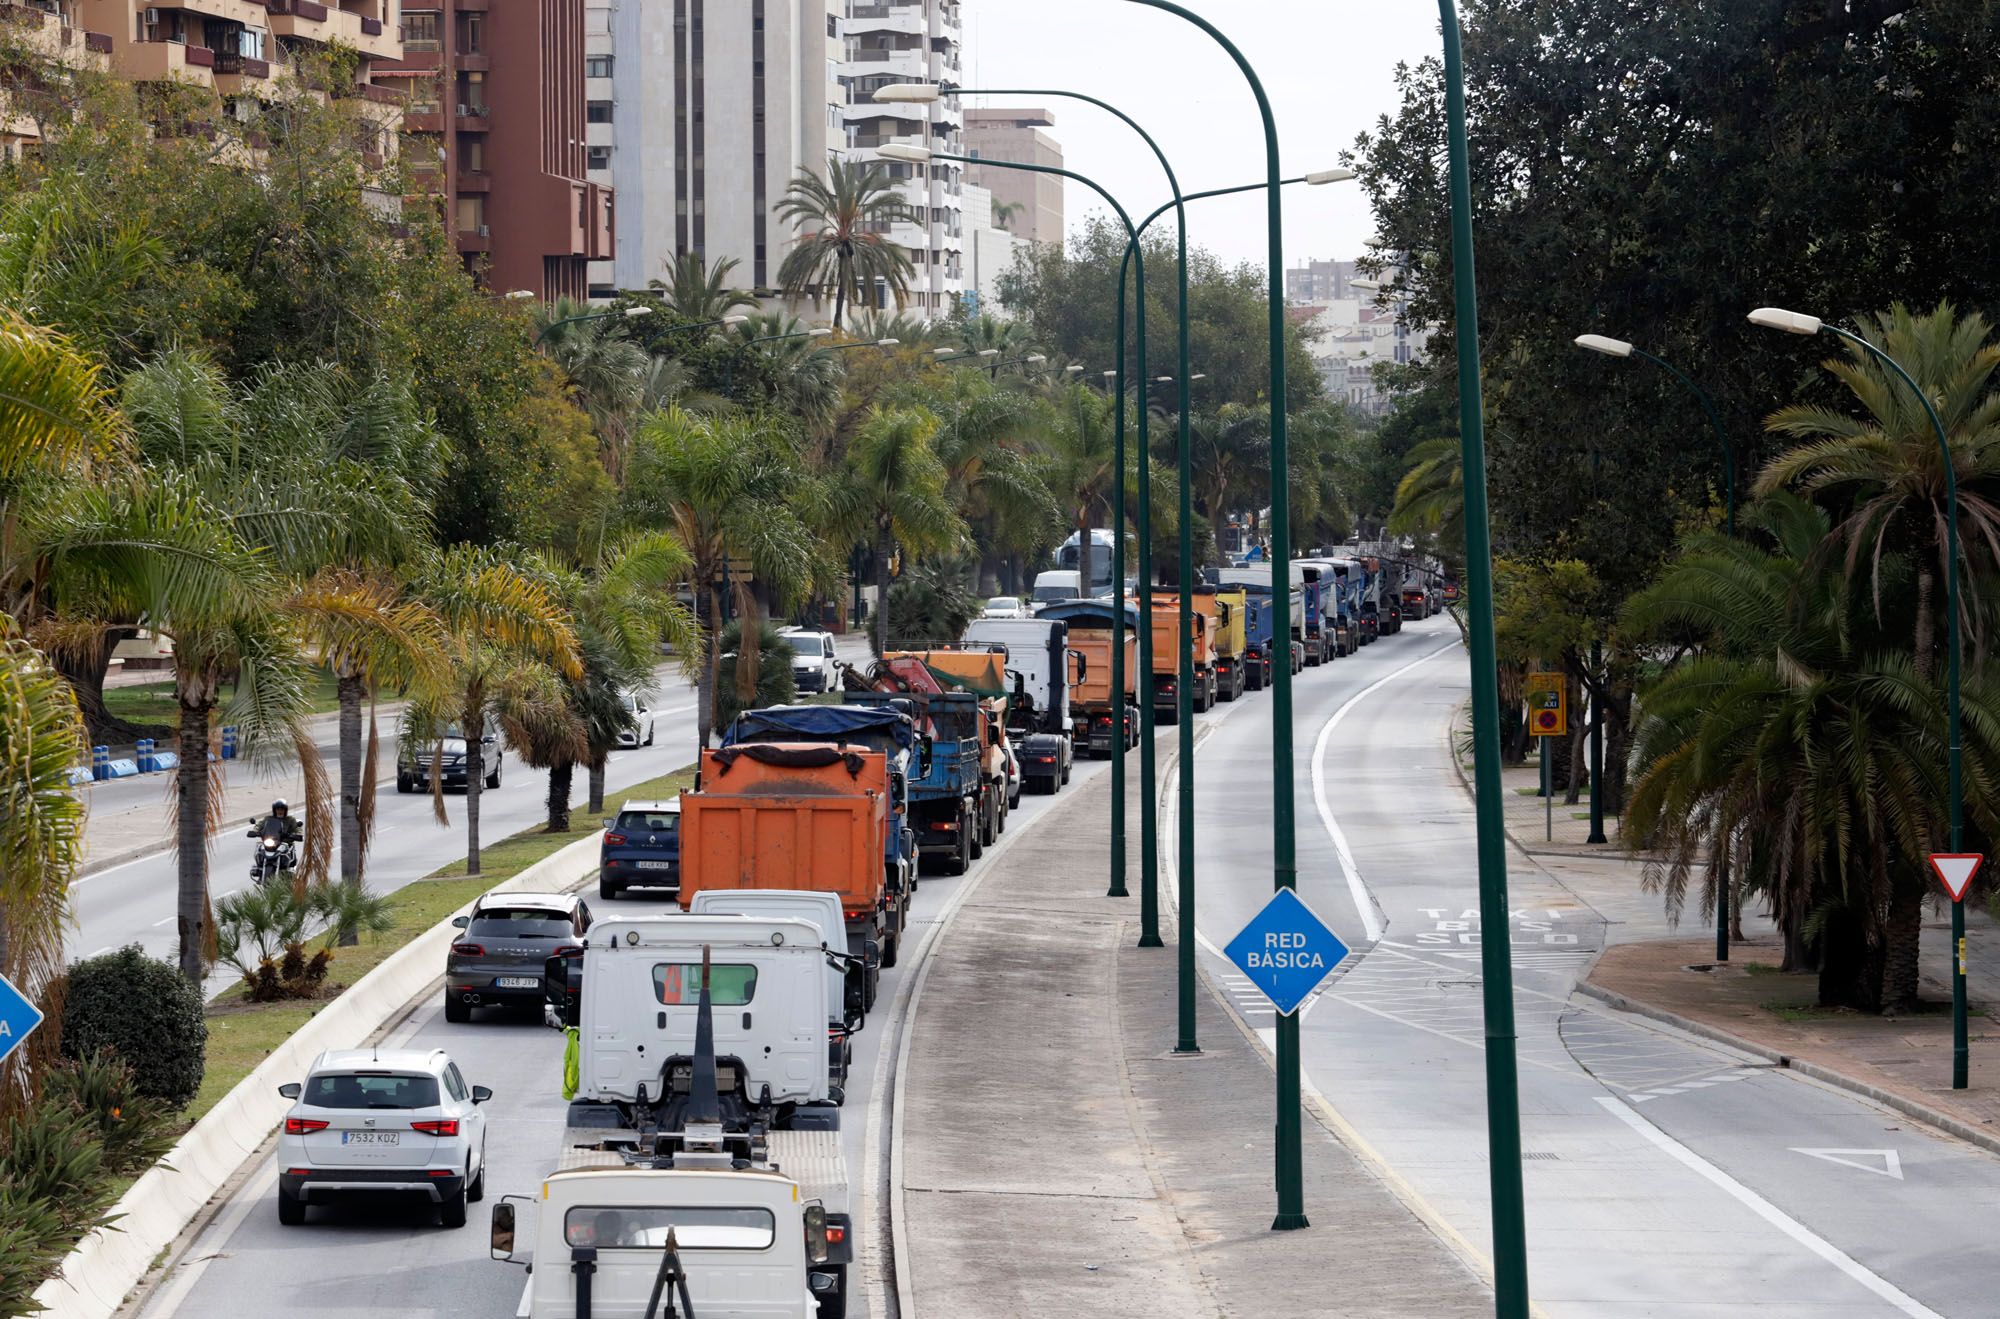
x=273 y=857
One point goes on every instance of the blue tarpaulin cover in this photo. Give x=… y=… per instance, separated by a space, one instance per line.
x=820 y=723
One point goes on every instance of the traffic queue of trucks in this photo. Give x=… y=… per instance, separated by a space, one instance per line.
x=709 y=1050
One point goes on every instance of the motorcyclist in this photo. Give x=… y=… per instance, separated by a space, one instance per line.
x=279 y=824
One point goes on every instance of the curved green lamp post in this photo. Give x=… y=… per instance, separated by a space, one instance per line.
x=1148 y=822
x=1793 y=322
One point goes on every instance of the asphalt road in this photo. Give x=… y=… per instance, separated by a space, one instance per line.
x=134 y=902
x=1664 y=1176
x=383 y=1258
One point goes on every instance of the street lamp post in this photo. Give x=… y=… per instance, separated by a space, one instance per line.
x=1793 y=322
x=1148 y=823
x=629 y=313
x=1598 y=343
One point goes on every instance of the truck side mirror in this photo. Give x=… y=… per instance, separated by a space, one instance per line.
x=562 y=985
x=924 y=760
x=816 y=1247
x=500 y=1239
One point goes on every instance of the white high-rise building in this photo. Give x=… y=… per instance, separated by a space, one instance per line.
x=703 y=112
x=891 y=41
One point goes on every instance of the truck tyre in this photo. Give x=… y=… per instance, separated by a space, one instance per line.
x=451 y=1212
x=892 y=943
x=960 y=859
x=291 y=1209
x=456 y=1010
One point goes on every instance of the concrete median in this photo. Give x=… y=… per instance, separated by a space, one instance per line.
x=107 y=1264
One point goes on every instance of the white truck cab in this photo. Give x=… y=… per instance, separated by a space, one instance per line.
x=748 y=1243
x=818 y=909
x=773 y=1002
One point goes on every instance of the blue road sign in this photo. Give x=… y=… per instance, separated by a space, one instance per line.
x=18 y=1018
x=1286 y=951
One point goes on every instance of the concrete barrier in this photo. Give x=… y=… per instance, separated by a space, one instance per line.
x=94 y=1279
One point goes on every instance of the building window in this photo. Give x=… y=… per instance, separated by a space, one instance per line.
x=474 y=32
x=420 y=29
x=597 y=66
x=597 y=157
x=596 y=112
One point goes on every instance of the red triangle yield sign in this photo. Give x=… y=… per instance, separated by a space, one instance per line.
x=1956 y=870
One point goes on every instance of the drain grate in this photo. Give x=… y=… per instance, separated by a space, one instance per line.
x=1543 y=1156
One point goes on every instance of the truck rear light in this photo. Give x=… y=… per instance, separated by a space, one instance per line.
x=469 y=949
x=835 y=1235
x=299 y=1126
x=445 y=1126
x=854 y=913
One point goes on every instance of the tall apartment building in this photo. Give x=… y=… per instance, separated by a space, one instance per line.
x=701 y=113
x=1320 y=281
x=890 y=41
x=1020 y=136
x=44 y=44
x=495 y=133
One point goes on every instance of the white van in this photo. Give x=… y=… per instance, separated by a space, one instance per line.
x=1057 y=584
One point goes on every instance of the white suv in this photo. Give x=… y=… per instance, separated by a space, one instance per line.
x=813 y=666
x=369 y=1120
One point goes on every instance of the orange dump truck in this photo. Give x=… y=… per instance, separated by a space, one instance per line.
x=1167 y=660
x=1093 y=707
x=798 y=816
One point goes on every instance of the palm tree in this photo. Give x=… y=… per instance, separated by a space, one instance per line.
x=606 y=371
x=41 y=819
x=1791 y=755
x=1230 y=455
x=1431 y=496
x=987 y=442
x=1081 y=448
x=1883 y=470
x=843 y=250
x=728 y=489
x=891 y=494
x=503 y=624
x=697 y=291
x=1004 y=213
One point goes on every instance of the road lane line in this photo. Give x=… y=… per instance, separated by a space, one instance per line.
x=1364 y=903
x=1769 y=1212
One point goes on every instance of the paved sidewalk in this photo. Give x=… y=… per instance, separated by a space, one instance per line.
x=1058 y=1159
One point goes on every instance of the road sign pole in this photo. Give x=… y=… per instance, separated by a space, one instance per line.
x=1548 y=796
x=1961 y=1054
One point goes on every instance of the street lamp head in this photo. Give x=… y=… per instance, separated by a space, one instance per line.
x=1791 y=322
x=989 y=352
x=1072 y=370
x=736 y=320
x=1035 y=359
x=1598 y=343
x=910 y=93
x=521 y=295
x=821 y=333
x=633 y=311
x=887 y=343
x=1109 y=374
x=943 y=352
x=1199 y=375
x=904 y=152
x=1163 y=380
x=1366 y=285
x=1319 y=178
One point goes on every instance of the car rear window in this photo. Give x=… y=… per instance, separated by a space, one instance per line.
x=648 y=822
x=645 y=1227
x=371 y=1090
x=521 y=925
x=679 y=984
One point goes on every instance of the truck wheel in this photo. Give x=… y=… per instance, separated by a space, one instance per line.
x=456 y=1010
x=892 y=943
x=960 y=860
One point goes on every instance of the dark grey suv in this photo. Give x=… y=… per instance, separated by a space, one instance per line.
x=503 y=946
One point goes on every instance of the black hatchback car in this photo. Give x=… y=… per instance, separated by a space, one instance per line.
x=641 y=849
x=503 y=947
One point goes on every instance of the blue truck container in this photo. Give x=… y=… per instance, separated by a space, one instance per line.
x=889 y=727
x=1265 y=649
x=944 y=796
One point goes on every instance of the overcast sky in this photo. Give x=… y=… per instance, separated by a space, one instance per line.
x=1327 y=65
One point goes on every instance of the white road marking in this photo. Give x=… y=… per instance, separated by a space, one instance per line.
x=168 y=921
x=1364 y=905
x=1769 y=1212
x=1892 y=1162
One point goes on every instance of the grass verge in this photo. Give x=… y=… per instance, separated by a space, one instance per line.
x=154 y=703
x=242 y=1034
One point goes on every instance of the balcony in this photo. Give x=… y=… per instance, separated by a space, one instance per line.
x=158 y=61
x=474 y=180
x=472 y=62
x=472 y=119
x=476 y=240
x=423 y=121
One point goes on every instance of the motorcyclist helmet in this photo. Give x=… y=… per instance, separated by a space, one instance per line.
x=280 y=807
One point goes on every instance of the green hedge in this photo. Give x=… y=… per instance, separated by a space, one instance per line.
x=144 y=1012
